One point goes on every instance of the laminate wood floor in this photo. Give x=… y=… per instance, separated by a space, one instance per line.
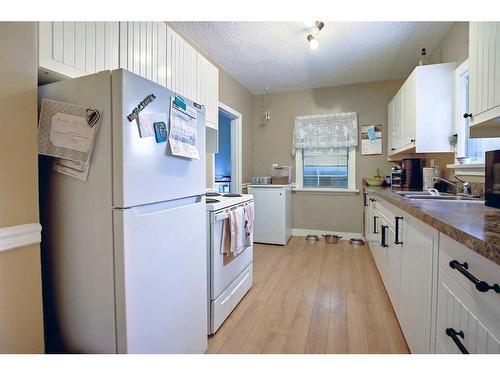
x=312 y=298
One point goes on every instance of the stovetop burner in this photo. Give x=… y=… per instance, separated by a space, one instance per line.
x=232 y=195
x=212 y=200
x=212 y=194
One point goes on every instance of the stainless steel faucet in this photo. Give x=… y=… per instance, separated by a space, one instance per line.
x=464 y=186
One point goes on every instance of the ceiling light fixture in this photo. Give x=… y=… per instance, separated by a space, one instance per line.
x=318 y=25
x=313 y=42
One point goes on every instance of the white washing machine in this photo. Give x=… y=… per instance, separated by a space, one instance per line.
x=273 y=213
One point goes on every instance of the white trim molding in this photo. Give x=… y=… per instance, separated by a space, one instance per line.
x=304 y=232
x=20 y=235
x=467 y=169
x=334 y=191
x=236 y=146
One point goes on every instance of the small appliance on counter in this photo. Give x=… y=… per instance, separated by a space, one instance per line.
x=492 y=179
x=261 y=180
x=428 y=177
x=281 y=174
x=396 y=177
x=411 y=173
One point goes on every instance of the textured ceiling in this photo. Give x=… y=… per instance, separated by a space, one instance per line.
x=277 y=53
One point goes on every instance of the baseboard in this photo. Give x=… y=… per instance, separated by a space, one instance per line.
x=19 y=235
x=305 y=232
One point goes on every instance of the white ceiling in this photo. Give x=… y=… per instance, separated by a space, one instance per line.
x=277 y=53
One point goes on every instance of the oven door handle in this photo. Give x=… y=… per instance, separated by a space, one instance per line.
x=221 y=216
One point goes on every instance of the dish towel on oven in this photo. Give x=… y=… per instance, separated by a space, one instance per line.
x=249 y=218
x=237 y=224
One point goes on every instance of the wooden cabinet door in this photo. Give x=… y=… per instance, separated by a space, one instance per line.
x=208 y=90
x=484 y=80
x=181 y=65
x=417 y=291
x=143 y=49
x=458 y=310
x=74 y=49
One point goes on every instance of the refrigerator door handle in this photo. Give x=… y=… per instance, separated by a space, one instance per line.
x=161 y=206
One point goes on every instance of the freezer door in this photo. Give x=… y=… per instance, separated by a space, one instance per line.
x=145 y=171
x=161 y=277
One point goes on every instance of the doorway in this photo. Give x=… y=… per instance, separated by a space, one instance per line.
x=227 y=161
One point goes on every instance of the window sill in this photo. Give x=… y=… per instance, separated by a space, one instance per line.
x=472 y=169
x=333 y=191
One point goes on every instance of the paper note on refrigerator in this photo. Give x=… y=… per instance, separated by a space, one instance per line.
x=72 y=168
x=183 y=132
x=146 y=123
x=64 y=131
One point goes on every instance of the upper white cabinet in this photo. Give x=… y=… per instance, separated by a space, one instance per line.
x=149 y=49
x=420 y=116
x=143 y=49
x=181 y=65
x=74 y=49
x=208 y=90
x=484 y=57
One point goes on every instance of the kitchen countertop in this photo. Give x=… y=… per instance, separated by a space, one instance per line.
x=472 y=224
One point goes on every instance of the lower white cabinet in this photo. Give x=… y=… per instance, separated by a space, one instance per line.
x=439 y=308
x=406 y=263
x=463 y=324
x=74 y=49
x=417 y=283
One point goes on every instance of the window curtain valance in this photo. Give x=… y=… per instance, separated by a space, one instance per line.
x=326 y=131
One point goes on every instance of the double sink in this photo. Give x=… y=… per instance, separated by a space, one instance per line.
x=425 y=195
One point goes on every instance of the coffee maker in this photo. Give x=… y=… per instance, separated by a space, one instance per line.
x=411 y=173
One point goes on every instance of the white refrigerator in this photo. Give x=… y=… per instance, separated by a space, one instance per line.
x=124 y=254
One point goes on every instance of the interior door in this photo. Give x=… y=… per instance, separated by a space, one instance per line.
x=161 y=277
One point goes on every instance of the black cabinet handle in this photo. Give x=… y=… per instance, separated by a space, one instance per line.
x=412 y=140
x=454 y=336
x=375 y=224
x=396 y=239
x=382 y=241
x=467 y=115
x=364 y=200
x=482 y=286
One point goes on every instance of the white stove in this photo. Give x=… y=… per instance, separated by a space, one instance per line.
x=225 y=201
x=229 y=279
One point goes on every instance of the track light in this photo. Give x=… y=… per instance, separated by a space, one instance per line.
x=313 y=42
x=318 y=25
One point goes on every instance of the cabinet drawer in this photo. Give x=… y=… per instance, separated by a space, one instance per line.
x=480 y=267
x=457 y=310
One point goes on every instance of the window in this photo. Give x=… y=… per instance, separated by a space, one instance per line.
x=332 y=168
x=471 y=147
